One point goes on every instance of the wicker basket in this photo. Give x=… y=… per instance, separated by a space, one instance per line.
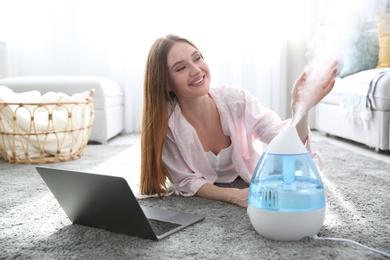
x=45 y=132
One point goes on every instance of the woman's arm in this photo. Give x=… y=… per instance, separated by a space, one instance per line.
x=231 y=195
x=303 y=128
x=309 y=89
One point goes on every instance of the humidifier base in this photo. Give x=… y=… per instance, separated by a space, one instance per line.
x=286 y=226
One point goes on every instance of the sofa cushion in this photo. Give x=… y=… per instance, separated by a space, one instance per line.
x=361 y=54
x=359 y=84
x=383 y=22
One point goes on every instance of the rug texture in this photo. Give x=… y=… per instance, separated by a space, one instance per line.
x=33 y=225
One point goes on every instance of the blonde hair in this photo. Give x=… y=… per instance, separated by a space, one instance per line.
x=155 y=116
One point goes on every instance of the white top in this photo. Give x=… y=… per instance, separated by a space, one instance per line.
x=222 y=164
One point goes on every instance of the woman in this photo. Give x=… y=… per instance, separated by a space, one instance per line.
x=197 y=135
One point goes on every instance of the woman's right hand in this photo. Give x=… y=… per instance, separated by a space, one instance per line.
x=311 y=87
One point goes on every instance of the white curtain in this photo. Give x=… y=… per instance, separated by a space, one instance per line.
x=243 y=41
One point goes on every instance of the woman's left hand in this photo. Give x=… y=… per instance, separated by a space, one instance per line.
x=311 y=87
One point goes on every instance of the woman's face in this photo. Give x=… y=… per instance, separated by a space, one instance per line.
x=188 y=73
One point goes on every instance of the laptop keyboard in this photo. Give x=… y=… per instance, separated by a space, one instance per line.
x=161 y=227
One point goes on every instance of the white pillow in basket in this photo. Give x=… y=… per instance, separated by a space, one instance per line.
x=59 y=136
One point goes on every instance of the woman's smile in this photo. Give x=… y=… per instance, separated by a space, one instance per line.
x=197 y=82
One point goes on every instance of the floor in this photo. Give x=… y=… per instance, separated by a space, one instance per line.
x=125 y=139
x=356 y=147
x=134 y=139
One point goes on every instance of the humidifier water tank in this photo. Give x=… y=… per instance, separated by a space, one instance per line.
x=286 y=195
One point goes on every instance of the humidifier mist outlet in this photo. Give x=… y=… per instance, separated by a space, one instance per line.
x=286 y=195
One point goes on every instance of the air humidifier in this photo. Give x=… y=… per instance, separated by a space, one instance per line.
x=286 y=194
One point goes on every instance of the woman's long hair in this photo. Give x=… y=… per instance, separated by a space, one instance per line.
x=155 y=116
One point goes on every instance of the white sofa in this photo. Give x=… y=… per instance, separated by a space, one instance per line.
x=358 y=109
x=108 y=98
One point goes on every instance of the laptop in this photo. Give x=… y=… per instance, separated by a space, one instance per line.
x=107 y=202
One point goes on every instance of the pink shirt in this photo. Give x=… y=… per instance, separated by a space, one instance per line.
x=243 y=119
